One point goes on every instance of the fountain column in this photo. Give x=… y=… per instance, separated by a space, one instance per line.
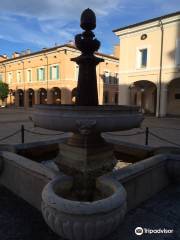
x=87 y=93
x=86 y=155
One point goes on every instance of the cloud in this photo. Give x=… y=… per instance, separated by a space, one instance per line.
x=45 y=22
x=42 y=23
x=53 y=9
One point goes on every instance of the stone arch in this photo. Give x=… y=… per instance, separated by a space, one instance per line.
x=116 y=98
x=105 y=97
x=56 y=95
x=20 y=95
x=31 y=97
x=42 y=96
x=173 y=97
x=143 y=93
x=11 y=96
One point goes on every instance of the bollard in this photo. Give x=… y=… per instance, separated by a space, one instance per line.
x=22 y=133
x=147 y=136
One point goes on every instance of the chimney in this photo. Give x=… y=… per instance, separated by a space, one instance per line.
x=23 y=53
x=28 y=51
x=3 y=57
x=71 y=42
x=15 y=55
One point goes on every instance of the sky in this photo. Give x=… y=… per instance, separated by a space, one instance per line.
x=33 y=24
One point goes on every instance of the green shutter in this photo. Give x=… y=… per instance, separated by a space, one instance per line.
x=57 y=72
x=37 y=74
x=50 y=72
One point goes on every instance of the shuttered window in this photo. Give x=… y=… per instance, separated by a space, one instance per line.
x=54 y=72
x=40 y=74
x=29 y=75
x=10 y=78
x=19 y=77
x=76 y=72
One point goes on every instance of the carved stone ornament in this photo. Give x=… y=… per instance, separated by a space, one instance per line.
x=86 y=127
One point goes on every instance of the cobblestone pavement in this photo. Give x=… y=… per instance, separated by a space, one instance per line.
x=20 y=221
x=166 y=128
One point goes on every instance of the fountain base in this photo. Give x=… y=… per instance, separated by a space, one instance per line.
x=75 y=220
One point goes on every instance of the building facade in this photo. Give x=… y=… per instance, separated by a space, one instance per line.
x=49 y=76
x=149 y=69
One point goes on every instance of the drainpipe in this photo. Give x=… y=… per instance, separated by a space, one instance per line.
x=24 y=84
x=160 y=67
x=99 y=78
x=47 y=83
x=4 y=65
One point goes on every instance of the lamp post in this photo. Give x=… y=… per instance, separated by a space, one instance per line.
x=23 y=82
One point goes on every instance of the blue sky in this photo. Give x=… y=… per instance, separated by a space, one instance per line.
x=36 y=24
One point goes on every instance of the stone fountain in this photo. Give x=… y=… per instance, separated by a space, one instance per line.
x=82 y=198
x=83 y=203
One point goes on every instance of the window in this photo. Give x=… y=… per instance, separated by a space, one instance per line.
x=41 y=74
x=54 y=72
x=177 y=57
x=76 y=72
x=143 y=58
x=1 y=77
x=9 y=77
x=111 y=78
x=29 y=75
x=116 y=79
x=19 y=77
x=106 y=77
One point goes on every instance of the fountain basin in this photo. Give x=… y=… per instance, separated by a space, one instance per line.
x=69 y=118
x=73 y=220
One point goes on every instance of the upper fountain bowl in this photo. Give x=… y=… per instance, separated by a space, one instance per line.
x=102 y=118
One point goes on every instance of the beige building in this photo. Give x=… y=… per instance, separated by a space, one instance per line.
x=149 y=70
x=49 y=76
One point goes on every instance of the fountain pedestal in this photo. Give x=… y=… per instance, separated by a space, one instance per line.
x=82 y=220
x=85 y=161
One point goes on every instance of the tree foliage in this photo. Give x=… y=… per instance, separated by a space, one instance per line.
x=4 y=90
